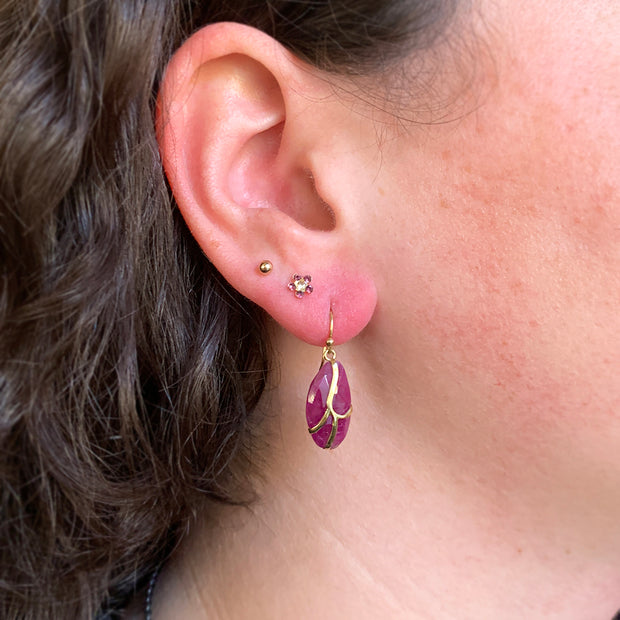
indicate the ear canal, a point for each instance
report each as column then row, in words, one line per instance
column 260, row 174
column 259, row 180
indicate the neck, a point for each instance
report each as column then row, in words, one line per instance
column 420, row 513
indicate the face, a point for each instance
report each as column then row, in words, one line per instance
column 496, row 245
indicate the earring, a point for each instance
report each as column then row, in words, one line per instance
column 328, row 406
column 265, row 267
column 300, row 285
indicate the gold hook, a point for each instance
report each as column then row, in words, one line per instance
column 330, row 340
column 329, row 355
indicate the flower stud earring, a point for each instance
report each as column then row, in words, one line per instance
column 300, row 285
column 328, row 406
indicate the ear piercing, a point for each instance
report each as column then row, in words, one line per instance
column 265, row 267
column 300, row 285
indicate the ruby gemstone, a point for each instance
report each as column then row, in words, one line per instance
column 316, row 404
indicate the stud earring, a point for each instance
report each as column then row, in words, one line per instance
column 328, row 406
column 300, row 285
column 265, row 267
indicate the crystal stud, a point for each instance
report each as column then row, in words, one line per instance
column 300, row 285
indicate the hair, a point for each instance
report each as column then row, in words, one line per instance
column 129, row 370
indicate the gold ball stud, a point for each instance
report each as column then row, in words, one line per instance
column 265, row 267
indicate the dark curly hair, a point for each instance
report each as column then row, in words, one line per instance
column 128, row 368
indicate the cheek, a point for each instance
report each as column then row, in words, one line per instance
column 486, row 309
column 516, row 270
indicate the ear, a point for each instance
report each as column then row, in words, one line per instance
column 244, row 130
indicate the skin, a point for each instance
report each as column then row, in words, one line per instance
column 480, row 476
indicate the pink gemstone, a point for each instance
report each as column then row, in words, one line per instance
column 309, row 289
column 316, row 405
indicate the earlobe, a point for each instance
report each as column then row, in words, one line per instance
column 235, row 139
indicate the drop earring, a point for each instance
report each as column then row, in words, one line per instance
column 328, row 406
